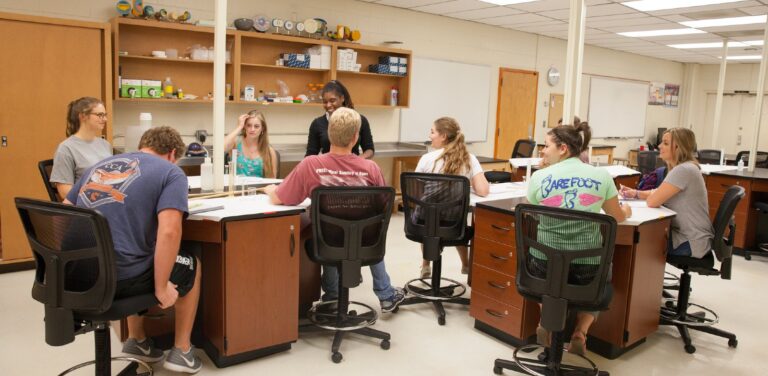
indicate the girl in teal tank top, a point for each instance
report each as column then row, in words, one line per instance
column 254, row 155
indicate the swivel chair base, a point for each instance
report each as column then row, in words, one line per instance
column 342, row 323
column 132, row 369
column 103, row 357
column 677, row 314
column 542, row 366
column 762, row 250
column 435, row 293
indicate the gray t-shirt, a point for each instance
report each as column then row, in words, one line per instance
column 130, row 190
column 692, row 222
column 74, row 155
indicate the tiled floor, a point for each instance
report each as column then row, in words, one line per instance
column 419, row 345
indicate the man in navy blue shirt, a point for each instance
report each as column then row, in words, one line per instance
column 143, row 196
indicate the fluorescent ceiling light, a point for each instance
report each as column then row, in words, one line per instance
column 507, row 2
column 707, row 45
column 651, row 5
column 656, row 33
column 726, row 21
column 753, row 43
column 743, row 57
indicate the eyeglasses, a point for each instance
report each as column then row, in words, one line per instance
column 101, row 115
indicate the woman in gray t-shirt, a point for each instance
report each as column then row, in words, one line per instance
column 683, row 190
column 86, row 119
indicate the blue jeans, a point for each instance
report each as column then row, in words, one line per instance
column 684, row 249
column 382, row 287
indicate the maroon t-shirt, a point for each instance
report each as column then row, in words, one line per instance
column 328, row 170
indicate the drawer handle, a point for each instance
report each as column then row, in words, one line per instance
column 494, row 313
column 500, row 258
column 507, row 229
column 496, row 285
column 292, row 246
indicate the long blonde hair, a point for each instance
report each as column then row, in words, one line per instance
column 685, row 140
column 455, row 155
column 263, row 143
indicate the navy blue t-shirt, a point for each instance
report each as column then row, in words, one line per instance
column 130, row 190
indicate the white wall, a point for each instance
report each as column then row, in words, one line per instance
column 738, row 77
column 426, row 35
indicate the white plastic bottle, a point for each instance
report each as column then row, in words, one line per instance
column 206, row 175
column 393, row 97
column 133, row 133
column 740, row 164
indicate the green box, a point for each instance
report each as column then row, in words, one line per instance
column 151, row 89
column 130, row 88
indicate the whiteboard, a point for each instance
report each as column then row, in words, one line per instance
column 445, row 88
column 617, row 107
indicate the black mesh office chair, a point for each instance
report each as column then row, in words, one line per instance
column 436, row 208
column 76, row 277
column 761, row 162
column 45, row 168
column 709, row 156
column 547, row 274
column 349, row 231
column 722, row 247
column 524, row 148
column 646, row 161
column 761, row 235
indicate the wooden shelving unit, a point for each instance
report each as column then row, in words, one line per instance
column 253, row 62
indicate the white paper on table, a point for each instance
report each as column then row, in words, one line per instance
column 641, row 213
column 619, row 170
column 523, row 162
column 707, row 169
column 501, row 191
column 194, row 181
column 242, row 205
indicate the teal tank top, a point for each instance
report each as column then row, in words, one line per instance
column 247, row 166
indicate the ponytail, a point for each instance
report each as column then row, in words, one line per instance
column 455, row 155
column 576, row 137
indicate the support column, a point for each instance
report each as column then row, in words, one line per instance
column 219, row 92
column 574, row 57
column 719, row 100
column 758, row 104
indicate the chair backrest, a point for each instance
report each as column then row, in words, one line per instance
column 523, row 148
column 722, row 245
column 349, row 227
column 45, row 168
column 563, row 254
column 709, row 156
column 761, row 162
column 435, row 206
column 646, row 161
column 276, row 162
column 75, row 266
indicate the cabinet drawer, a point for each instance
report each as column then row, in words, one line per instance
column 506, row 318
column 496, row 256
column 495, row 226
column 716, row 183
column 498, row 286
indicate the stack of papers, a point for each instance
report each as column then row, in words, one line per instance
column 194, row 181
column 523, row 162
column 619, row 170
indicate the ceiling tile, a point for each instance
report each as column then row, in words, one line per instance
column 513, row 19
column 608, row 10
column 453, row 6
column 484, row 13
column 409, row 3
column 706, row 8
column 541, row 5
column 755, row 11
column 560, row 14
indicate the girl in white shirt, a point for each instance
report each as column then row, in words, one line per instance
column 452, row 158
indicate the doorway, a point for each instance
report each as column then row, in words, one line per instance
column 515, row 110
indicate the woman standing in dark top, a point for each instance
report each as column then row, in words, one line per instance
column 335, row 95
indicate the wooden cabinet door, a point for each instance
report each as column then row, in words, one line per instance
column 261, row 283
column 43, row 67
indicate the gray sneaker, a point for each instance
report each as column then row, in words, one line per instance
column 389, row 305
column 144, row 350
column 178, row 361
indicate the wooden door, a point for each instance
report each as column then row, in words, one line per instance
column 555, row 109
column 515, row 110
column 261, row 283
column 44, row 65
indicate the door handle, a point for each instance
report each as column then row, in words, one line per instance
column 500, row 258
column 507, row 229
column 496, row 285
column 293, row 240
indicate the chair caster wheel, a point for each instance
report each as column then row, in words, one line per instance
column 352, row 313
column 336, row 357
column 733, row 342
column 542, row 357
column 497, row 370
column 441, row 320
column 385, row 344
column 396, row 309
column 690, row 349
column 747, row 257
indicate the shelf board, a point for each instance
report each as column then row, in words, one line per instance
column 164, row 100
column 279, row 104
column 139, row 57
column 281, row 67
column 369, row 74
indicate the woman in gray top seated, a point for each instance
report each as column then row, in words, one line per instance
column 86, row 119
column 683, row 190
